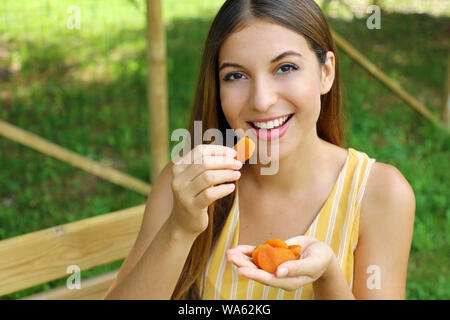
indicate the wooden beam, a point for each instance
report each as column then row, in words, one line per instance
column 384, row 79
column 51, row 149
column 157, row 89
column 93, row 288
column 43, row 256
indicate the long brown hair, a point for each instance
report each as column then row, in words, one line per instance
column 302, row 16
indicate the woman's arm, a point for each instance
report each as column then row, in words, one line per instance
column 154, row 264
column 385, row 235
column 332, row 285
column 156, row 273
column 176, row 213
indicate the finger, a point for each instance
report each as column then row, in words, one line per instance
column 301, row 267
column 257, row 274
column 213, row 150
column 240, row 260
column 245, row 249
column 205, row 161
column 269, row 279
column 195, row 155
column 303, row 241
column 212, row 163
column 198, row 177
column 211, row 194
column 211, row 178
column 176, row 159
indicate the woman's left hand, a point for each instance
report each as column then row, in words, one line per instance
column 316, row 258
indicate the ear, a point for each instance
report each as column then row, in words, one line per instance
column 327, row 73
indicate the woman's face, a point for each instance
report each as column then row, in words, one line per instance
column 256, row 86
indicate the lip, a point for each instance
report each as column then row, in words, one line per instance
column 270, row 118
column 270, row 134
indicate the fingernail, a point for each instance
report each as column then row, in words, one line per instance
column 237, row 164
column 282, row 272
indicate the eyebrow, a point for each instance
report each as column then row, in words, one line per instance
column 279, row 57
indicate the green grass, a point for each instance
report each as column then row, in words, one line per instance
column 85, row 89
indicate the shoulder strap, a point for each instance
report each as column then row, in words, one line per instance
column 366, row 167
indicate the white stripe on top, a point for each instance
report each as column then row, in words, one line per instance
column 335, row 206
column 350, row 201
column 218, row 286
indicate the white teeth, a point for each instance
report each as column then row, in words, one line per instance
column 261, row 125
column 271, row 124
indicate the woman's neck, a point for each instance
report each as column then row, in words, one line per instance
column 294, row 171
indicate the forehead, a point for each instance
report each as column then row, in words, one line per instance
column 262, row 40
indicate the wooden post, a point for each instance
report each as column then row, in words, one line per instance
column 157, row 89
column 446, row 98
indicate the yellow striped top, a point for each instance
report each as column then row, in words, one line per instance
column 336, row 224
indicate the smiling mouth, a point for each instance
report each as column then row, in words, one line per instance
column 273, row 124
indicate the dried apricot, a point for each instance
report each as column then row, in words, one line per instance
column 244, row 148
column 274, row 252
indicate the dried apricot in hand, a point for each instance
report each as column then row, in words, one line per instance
column 266, row 258
column 255, row 252
column 273, row 253
column 244, row 148
column 296, row 249
column 277, row 243
column 283, row 255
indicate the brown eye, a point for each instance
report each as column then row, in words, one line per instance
column 288, row 67
column 228, row 76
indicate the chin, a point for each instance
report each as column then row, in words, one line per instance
column 270, row 154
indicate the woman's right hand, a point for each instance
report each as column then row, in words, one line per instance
column 199, row 179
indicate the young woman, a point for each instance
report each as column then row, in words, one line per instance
column 266, row 60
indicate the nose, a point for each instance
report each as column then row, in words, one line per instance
column 263, row 95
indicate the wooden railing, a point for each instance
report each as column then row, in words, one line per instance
column 45, row 255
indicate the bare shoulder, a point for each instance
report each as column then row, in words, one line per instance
column 388, row 198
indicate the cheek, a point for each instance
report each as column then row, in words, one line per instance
column 305, row 95
column 233, row 101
